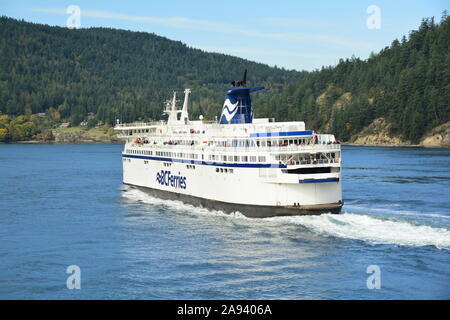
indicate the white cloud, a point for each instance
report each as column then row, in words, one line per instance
column 293, row 22
column 264, row 52
column 212, row 26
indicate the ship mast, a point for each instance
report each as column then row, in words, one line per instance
column 172, row 112
column 184, row 112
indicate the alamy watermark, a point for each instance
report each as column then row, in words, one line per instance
column 74, row 280
column 374, row 19
column 74, row 20
column 374, row 280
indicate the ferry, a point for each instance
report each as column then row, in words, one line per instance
column 238, row 163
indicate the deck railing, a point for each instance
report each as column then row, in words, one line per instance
column 273, row 149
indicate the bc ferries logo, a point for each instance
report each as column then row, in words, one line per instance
column 229, row 109
column 165, row 178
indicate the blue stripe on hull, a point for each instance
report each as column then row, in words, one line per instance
column 319, row 180
column 207, row 163
column 281, row 134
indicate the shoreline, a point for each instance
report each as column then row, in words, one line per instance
column 35, row 142
column 31, row 142
column 434, row 146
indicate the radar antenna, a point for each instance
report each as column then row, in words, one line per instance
column 241, row 83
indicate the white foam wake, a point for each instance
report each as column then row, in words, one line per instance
column 395, row 211
column 347, row 225
column 372, row 229
column 135, row 195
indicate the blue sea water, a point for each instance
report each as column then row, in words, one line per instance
column 64, row 205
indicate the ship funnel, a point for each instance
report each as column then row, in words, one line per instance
column 237, row 107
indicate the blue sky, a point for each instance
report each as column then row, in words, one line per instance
column 294, row 34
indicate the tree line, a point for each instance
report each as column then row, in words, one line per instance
column 407, row 83
column 114, row 74
column 118, row 74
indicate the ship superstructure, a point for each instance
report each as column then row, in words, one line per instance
column 258, row 167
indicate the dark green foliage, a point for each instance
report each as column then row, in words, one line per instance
column 407, row 83
column 117, row 74
column 25, row 127
column 113, row 73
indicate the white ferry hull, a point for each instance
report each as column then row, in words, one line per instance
column 253, row 191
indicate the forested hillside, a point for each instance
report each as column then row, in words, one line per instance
column 113, row 73
column 106, row 74
column 405, row 88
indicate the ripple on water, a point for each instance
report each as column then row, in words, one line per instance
column 363, row 227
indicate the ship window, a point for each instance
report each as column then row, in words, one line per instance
column 308, row 170
column 231, row 170
column 262, row 159
column 236, row 158
column 217, row 169
column 252, row 158
column 226, row 170
column 221, row 169
column 244, row 159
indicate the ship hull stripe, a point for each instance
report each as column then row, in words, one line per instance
column 281, row 134
column 207, row 163
column 319, row 180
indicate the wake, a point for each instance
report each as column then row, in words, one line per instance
column 372, row 229
column 363, row 227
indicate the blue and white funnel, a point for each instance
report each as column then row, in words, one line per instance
column 238, row 105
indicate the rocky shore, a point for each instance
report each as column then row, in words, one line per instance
column 77, row 135
column 377, row 134
column 80, row 135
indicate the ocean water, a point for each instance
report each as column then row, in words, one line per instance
column 63, row 205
